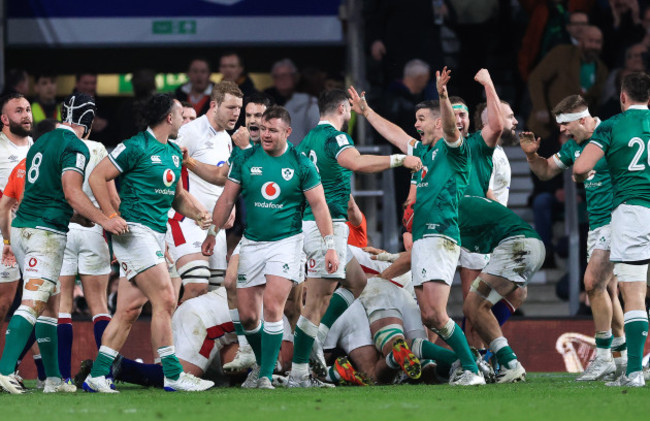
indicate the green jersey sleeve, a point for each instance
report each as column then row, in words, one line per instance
column 75, row 156
column 602, row 136
column 337, row 144
column 566, row 156
column 125, row 156
column 459, row 155
column 309, row 177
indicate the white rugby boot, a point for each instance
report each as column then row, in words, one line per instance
column 597, row 369
column 244, row 359
column 187, row 382
column 511, row 375
column 251, row 380
column 98, row 385
column 55, row 385
column 635, row 379
column 468, row 378
column 264, row 383
column 11, row 385
column 307, row 382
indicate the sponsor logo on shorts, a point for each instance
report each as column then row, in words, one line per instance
column 287, row 173
column 124, row 266
column 168, row 177
column 424, row 272
column 312, row 263
column 4, row 274
column 256, row 170
column 32, row 262
column 197, row 244
column 155, row 159
column 241, row 278
column 270, row 190
column 176, row 160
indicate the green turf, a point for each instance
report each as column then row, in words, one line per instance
column 544, row 397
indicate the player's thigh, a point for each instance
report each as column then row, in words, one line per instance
column 599, row 270
column 156, row 285
column 67, row 291
column 434, row 259
column 95, row 290
column 516, row 259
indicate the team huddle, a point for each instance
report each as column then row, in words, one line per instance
column 301, row 301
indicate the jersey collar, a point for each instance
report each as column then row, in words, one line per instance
column 63, row 126
column 637, row 107
column 325, row 122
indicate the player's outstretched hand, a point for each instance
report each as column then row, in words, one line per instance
column 373, row 250
column 528, row 143
column 413, row 163
column 483, row 77
column 331, row 261
column 207, row 248
column 116, row 225
column 358, row 102
column 442, row 78
column 8, row 258
column 241, row 137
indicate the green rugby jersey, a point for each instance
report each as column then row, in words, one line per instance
column 273, row 191
column 625, row 139
column 149, row 172
column 484, row 223
column 44, row 205
column 322, row 146
column 598, row 187
column 443, row 180
column 479, row 176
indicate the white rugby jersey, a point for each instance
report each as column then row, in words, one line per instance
column 10, row 156
column 208, row 146
column 501, row 176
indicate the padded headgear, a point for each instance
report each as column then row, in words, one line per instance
column 79, row 109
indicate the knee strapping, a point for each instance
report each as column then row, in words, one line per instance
column 387, row 334
column 36, row 289
column 485, row 291
column 216, row 279
column 27, row 313
column 626, row 272
column 384, row 314
column 195, row 272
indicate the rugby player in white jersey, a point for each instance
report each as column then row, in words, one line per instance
column 15, row 140
column 208, row 143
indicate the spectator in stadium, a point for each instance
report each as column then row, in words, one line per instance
column 635, row 56
column 189, row 113
column 16, row 82
column 232, row 69
column 302, row 107
column 103, row 128
column 140, row 250
column 577, row 22
column 45, row 104
column 199, row 88
column 16, row 119
column 130, row 113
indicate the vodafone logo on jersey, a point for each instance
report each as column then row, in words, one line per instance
column 169, row 177
column 270, row 190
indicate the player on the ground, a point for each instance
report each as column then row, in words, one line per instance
column 622, row 140
column 55, row 172
column 209, row 144
column 435, row 233
column 149, row 169
column 517, row 253
column 276, row 182
column 333, row 153
column 15, row 140
column 572, row 114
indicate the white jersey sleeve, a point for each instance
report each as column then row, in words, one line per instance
column 97, row 153
column 501, row 176
column 10, row 156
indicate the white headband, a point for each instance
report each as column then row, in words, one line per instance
column 569, row 117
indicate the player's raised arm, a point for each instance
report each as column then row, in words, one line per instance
column 393, row 133
column 491, row 132
column 351, row 159
column 316, row 199
column 586, row 162
column 451, row 135
column 543, row 168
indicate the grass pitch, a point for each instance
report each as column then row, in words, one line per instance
column 545, row 396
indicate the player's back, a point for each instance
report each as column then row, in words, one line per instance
column 479, row 176
column 44, row 204
column 323, row 145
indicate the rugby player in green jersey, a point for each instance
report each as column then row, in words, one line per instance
column 332, row 151
column 53, row 188
column 572, row 114
column 623, row 141
column 276, row 182
column 517, row 253
column 436, row 237
column 148, row 168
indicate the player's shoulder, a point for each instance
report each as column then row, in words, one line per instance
column 196, row 127
column 174, row 147
column 243, row 155
column 94, row 146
